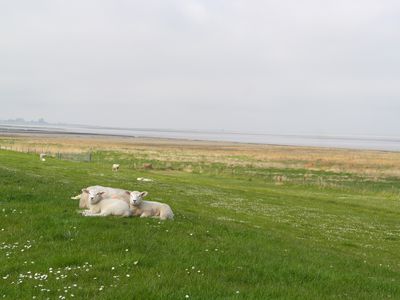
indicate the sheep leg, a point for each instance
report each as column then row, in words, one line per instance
column 135, row 212
column 86, row 212
column 126, row 214
column 89, row 213
column 145, row 215
column 96, row 215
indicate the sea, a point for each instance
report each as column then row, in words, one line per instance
column 384, row 143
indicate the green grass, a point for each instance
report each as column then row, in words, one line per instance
column 236, row 235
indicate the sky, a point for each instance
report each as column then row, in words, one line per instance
column 271, row 66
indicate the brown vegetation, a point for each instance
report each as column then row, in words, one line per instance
column 365, row 162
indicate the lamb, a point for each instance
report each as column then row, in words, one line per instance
column 99, row 206
column 112, row 193
column 115, row 167
column 142, row 208
column 280, row 178
column 144, row 179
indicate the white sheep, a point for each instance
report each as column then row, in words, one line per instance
column 102, row 207
column 115, row 167
column 142, row 208
column 112, row 193
column 42, row 156
column 144, row 179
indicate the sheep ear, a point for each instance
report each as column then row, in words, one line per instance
column 144, row 194
column 85, row 191
column 128, row 192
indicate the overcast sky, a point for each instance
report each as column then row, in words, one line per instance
column 282, row 66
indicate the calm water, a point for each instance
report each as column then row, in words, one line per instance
column 352, row 142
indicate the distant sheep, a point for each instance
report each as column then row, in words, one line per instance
column 101, row 206
column 115, row 167
column 142, row 208
column 280, row 178
column 43, row 156
column 144, row 179
column 109, row 193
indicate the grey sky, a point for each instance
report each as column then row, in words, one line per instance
column 312, row 66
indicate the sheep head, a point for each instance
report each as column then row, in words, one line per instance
column 94, row 197
column 136, row 197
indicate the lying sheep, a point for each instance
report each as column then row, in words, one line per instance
column 115, row 167
column 144, row 179
column 109, row 193
column 83, row 196
column 142, row 208
column 100, row 206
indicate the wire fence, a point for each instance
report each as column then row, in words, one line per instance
column 62, row 155
column 86, row 156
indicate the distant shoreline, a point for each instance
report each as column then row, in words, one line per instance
column 355, row 143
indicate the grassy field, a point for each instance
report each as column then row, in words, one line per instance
column 239, row 232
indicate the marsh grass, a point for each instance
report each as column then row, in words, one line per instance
column 237, row 233
column 374, row 164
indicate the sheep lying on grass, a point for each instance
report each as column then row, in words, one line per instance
column 109, row 192
column 115, row 167
column 100, row 206
column 144, row 179
column 142, row 208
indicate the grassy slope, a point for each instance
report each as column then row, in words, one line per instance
column 235, row 236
